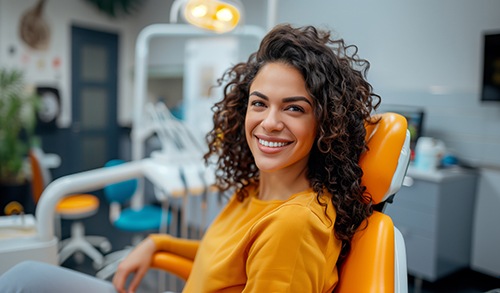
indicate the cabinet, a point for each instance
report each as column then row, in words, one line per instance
column 435, row 216
column 486, row 230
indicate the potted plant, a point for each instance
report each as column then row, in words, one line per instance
column 18, row 106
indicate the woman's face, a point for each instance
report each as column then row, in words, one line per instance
column 280, row 124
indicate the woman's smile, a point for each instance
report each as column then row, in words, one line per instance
column 272, row 144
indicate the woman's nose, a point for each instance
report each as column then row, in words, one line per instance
column 272, row 121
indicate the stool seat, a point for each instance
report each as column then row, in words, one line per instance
column 147, row 218
column 77, row 206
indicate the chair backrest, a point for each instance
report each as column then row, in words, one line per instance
column 40, row 175
column 371, row 265
column 41, row 163
column 120, row 192
column 386, row 161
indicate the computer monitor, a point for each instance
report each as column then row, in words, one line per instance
column 491, row 67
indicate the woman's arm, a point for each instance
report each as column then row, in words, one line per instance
column 138, row 261
column 186, row 248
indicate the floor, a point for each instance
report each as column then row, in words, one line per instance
column 464, row 281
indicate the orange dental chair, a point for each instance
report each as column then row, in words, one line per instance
column 377, row 261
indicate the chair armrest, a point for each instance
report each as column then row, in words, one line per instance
column 172, row 263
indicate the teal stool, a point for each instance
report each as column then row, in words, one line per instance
column 147, row 219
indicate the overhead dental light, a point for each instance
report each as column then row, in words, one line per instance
column 216, row 15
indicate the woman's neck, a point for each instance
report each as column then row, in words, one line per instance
column 281, row 185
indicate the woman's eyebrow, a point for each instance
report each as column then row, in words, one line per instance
column 286, row 100
column 260, row 95
column 296, row 99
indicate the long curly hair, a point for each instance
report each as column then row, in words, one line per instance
column 335, row 78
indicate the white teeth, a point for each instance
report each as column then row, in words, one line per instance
column 272, row 144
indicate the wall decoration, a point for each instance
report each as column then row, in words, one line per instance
column 25, row 59
column 33, row 29
column 49, row 109
column 40, row 64
column 56, row 63
column 12, row 50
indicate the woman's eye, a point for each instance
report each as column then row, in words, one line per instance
column 257, row 104
column 295, row 108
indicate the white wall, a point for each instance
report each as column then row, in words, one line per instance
column 423, row 53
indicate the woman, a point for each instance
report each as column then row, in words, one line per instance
column 287, row 138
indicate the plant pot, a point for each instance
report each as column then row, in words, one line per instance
column 15, row 198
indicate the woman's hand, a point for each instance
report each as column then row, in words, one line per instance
column 138, row 263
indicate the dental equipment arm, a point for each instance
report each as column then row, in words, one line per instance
column 85, row 181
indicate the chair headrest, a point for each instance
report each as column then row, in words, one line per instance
column 385, row 162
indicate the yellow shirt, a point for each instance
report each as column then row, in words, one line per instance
column 264, row 246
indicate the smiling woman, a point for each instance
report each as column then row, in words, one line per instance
column 287, row 139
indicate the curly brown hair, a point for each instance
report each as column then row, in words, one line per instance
column 335, row 78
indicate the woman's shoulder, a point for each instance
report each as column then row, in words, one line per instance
column 309, row 198
column 307, row 204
